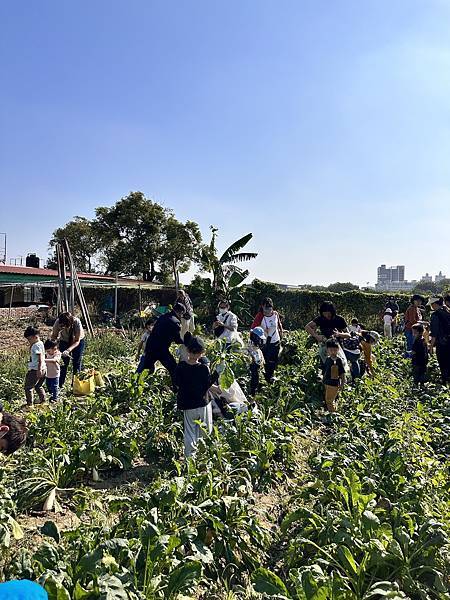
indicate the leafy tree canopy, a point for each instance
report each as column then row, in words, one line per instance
column 135, row 236
column 83, row 242
column 342, row 287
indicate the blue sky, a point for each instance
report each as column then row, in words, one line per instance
column 323, row 127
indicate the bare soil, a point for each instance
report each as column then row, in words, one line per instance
column 12, row 326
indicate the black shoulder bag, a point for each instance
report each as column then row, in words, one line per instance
column 220, row 328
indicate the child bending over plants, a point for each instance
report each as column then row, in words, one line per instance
column 334, row 374
column 254, row 350
column 13, row 432
column 368, row 340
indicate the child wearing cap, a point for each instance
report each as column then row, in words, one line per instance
column 193, row 380
column 257, row 341
column 387, row 320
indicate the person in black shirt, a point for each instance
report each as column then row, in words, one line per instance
column 440, row 335
column 419, row 355
column 447, row 301
column 167, row 330
column 193, row 380
column 330, row 325
column 334, row 375
column 393, row 305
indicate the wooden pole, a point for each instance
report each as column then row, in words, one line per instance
column 77, row 288
column 10, row 302
column 72, row 279
column 62, row 278
column 115, row 298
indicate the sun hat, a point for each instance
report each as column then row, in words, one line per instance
column 433, row 300
column 388, row 310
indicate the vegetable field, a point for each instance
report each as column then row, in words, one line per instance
column 290, row 503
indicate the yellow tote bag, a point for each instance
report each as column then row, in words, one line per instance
column 83, row 387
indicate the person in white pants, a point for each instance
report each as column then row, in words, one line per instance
column 193, row 380
column 387, row 319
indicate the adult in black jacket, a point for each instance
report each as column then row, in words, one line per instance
column 167, row 330
column 440, row 335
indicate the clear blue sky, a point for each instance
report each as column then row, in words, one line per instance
column 321, row 126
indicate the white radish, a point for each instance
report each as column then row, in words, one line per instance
column 50, row 501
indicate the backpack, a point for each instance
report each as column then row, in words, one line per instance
column 351, row 343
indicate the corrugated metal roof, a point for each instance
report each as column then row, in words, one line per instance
column 51, row 273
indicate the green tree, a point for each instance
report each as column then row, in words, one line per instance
column 181, row 245
column 443, row 286
column 342, row 287
column 83, row 243
column 426, row 287
column 131, row 234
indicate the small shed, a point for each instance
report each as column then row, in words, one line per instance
column 23, row 286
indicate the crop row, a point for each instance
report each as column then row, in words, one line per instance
column 368, row 517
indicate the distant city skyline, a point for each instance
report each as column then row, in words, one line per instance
column 393, row 278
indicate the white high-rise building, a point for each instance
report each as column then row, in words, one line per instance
column 392, row 278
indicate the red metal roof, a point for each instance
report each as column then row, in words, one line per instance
column 52, row 273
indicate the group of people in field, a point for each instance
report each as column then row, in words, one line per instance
column 345, row 353
column 197, row 388
column 422, row 336
column 47, row 368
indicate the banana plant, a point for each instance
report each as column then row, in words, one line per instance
column 226, row 273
